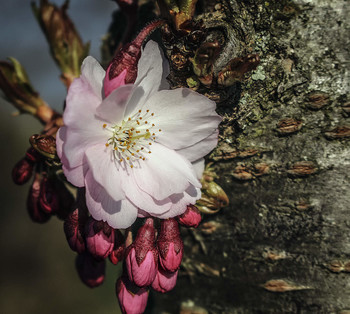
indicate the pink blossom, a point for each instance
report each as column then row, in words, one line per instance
column 99, row 238
column 132, row 299
column 170, row 245
column 164, row 281
column 133, row 150
column 91, row 271
column 191, row 217
column 142, row 256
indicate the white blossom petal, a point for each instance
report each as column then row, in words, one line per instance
column 112, row 107
column 200, row 148
column 184, row 116
column 164, row 172
column 105, row 170
column 118, row 214
column 150, row 76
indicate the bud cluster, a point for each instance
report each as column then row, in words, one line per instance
column 153, row 260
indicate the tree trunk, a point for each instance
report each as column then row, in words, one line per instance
column 283, row 243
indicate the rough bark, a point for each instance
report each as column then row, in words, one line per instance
column 283, row 244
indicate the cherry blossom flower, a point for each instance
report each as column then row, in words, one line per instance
column 138, row 151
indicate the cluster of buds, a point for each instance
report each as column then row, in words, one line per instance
column 153, row 260
column 94, row 241
column 47, row 195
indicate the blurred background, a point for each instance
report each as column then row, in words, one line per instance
column 37, row 265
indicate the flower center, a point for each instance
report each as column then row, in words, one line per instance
column 131, row 140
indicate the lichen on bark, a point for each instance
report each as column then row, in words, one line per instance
column 283, row 244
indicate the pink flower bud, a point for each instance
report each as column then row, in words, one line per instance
column 170, row 245
column 22, row 171
column 34, row 210
column 132, row 299
column 142, row 256
column 191, row 217
column 91, row 272
column 74, row 229
column 99, row 238
column 119, row 248
column 123, row 68
column 48, row 199
column 164, row 281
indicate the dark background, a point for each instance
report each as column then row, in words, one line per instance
column 37, row 266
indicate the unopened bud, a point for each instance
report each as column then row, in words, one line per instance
column 164, row 281
column 170, row 245
column 132, row 299
column 22, row 171
column 48, row 199
column 99, row 238
column 74, row 230
column 18, row 90
column 117, row 254
column 66, row 46
column 91, row 272
column 142, row 256
column 45, row 145
column 33, row 207
column 191, row 217
column 123, row 68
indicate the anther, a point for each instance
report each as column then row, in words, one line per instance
column 104, row 125
column 107, row 144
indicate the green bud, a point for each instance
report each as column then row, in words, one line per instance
column 18, row 90
column 213, row 197
column 65, row 43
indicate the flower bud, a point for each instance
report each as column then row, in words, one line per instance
column 164, row 281
column 33, row 207
column 99, row 238
column 191, row 217
column 74, row 230
column 132, row 299
column 119, row 248
column 18, row 90
column 170, row 245
column 123, row 68
column 142, row 256
column 22, row 171
column 66, row 46
column 91, row 272
column 48, row 199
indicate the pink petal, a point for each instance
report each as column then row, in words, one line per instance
column 83, row 128
column 201, row 148
column 198, row 167
column 184, row 116
column 150, row 76
column 140, row 198
column 74, row 175
column 105, row 169
column 118, row 214
column 93, row 73
column 164, row 172
column 111, row 85
column 112, row 108
column 180, row 202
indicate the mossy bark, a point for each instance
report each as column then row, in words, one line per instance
column 283, row 243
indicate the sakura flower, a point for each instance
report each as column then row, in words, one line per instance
column 133, row 150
